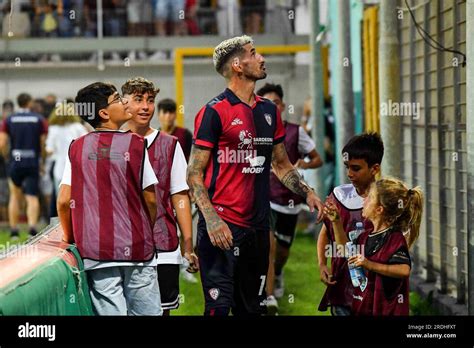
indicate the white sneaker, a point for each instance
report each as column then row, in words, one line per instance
column 55, row 58
column 158, row 55
column 132, row 55
column 188, row 277
column 279, row 286
column 142, row 55
column 272, row 305
column 116, row 57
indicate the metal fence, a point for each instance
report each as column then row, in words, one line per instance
column 434, row 146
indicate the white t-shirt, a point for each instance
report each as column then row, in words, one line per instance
column 305, row 146
column 149, row 178
column 177, row 184
column 58, row 140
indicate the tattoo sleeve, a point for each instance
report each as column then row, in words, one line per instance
column 195, row 178
column 293, row 180
column 287, row 174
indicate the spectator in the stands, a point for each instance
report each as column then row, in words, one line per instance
column 172, row 12
column 223, row 8
column 253, row 14
column 191, row 17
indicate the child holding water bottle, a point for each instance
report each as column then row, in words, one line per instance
column 395, row 212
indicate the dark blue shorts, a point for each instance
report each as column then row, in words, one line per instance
column 234, row 279
column 25, row 178
column 283, row 227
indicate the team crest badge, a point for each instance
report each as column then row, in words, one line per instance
column 268, row 118
column 214, row 293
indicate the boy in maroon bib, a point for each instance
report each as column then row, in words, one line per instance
column 362, row 157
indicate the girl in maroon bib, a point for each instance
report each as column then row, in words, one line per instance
column 393, row 209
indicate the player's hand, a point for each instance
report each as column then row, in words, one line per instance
column 219, row 233
column 326, row 276
column 359, row 261
column 301, row 164
column 331, row 212
column 193, row 261
column 314, row 202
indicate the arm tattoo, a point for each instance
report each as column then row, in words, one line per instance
column 195, row 177
column 288, row 177
column 293, row 180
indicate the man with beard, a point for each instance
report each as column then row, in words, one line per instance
column 237, row 136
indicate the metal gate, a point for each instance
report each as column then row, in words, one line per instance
column 434, row 145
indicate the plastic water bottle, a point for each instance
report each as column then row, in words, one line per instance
column 357, row 274
column 350, row 251
column 354, row 234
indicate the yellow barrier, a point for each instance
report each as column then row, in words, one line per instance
column 182, row 52
column 371, row 77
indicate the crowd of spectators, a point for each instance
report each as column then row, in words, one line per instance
column 78, row 18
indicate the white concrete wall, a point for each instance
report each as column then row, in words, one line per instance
column 201, row 82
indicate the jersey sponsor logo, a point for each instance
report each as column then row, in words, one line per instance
column 105, row 154
column 268, row 118
column 214, row 293
column 24, row 119
column 256, row 165
column 236, row 121
column 357, row 297
column 245, row 140
column 263, row 141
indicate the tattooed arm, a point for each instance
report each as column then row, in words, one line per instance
column 290, row 177
column 219, row 232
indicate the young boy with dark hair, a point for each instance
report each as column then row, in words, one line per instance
column 362, row 157
column 167, row 118
column 107, row 206
column 169, row 164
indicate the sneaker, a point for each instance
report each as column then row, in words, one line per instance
column 115, row 57
column 55, row 58
column 188, row 277
column 158, row 56
column 142, row 55
column 132, row 55
column 33, row 232
column 272, row 305
column 14, row 235
column 279, row 286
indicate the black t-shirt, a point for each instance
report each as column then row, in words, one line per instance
column 375, row 242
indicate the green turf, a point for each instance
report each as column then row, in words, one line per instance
column 5, row 237
column 303, row 289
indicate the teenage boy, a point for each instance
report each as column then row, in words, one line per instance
column 169, row 164
column 167, row 118
column 285, row 205
column 107, row 205
column 362, row 157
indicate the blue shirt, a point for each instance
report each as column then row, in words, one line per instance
column 24, row 130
